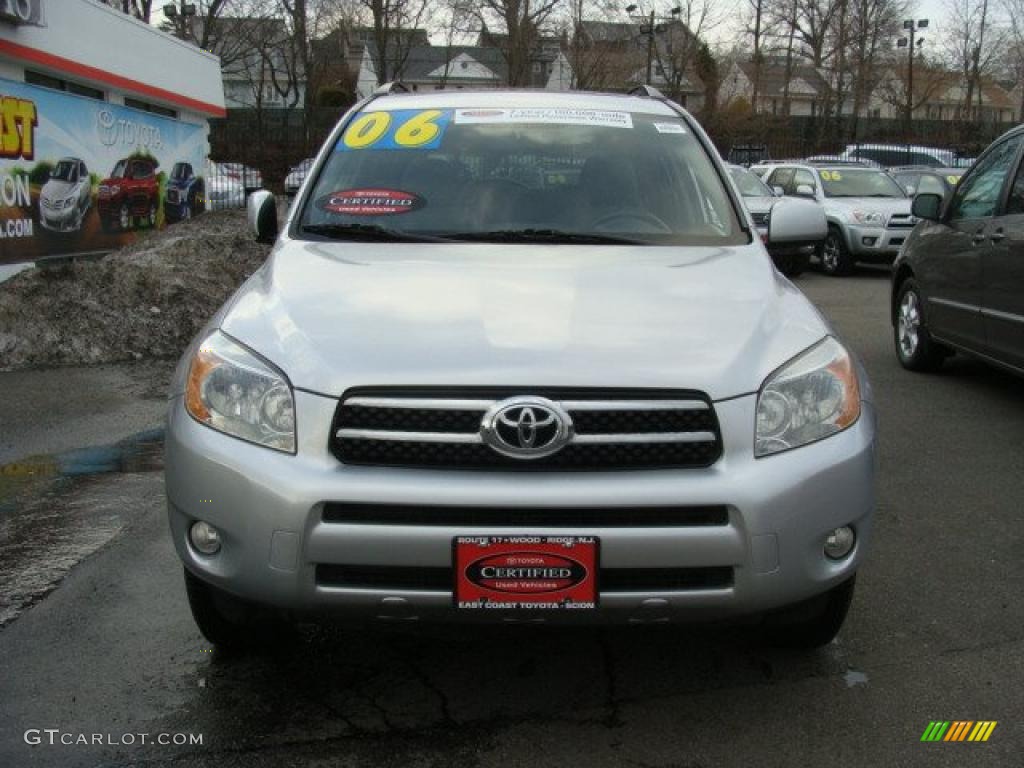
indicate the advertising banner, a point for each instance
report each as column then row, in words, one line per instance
column 80, row 176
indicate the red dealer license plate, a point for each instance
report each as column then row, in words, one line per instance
column 538, row 573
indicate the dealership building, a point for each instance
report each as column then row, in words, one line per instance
column 100, row 112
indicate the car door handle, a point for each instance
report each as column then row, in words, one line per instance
column 979, row 237
column 998, row 236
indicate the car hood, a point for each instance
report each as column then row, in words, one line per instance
column 339, row 315
column 57, row 189
column 886, row 205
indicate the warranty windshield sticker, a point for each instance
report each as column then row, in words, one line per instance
column 370, row 202
column 544, row 116
column 669, row 128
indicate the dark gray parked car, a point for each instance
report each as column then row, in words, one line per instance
column 958, row 284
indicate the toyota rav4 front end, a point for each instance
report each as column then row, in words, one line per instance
column 520, row 356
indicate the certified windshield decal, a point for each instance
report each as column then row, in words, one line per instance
column 370, row 202
column 669, row 128
column 544, row 116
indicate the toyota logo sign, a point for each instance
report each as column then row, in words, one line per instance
column 526, row 427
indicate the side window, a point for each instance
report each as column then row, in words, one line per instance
column 978, row 194
column 803, row 177
column 783, row 177
column 1015, row 200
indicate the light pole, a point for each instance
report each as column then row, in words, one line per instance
column 910, row 42
column 182, row 19
column 650, row 29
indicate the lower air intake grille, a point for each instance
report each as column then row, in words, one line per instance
column 440, row 579
column 482, row 517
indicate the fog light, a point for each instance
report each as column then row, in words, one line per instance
column 869, row 240
column 205, row 538
column 840, row 542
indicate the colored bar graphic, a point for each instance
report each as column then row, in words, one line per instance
column 935, row 730
column 959, row 730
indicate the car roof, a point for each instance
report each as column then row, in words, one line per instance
column 523, row 99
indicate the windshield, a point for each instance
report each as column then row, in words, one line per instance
column 180, row 171
column 65, row 170
column 748, row 184
column 848, row 182
column 504, row 174
column 119, row 169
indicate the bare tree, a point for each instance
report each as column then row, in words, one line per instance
column 1014, row 10
column 677, row 47
column 872, row 24
column 974, row 43
column 393, row 22
column 520, row 22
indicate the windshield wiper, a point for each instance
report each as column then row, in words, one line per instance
column 368, row 232
column 544, row 236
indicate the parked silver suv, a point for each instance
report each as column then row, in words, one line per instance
column 520, row 356
column 868, row 212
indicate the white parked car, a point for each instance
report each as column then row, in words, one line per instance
column 297, row 175
column 66, row 196
column 223, row 190
column 250, row 178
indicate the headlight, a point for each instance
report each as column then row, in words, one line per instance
column 114, row 190
column 235, row 392
column 810, row 398
column 867, row 217
column 69, row 202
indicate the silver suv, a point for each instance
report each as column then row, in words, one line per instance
column 520, row 356
column 868, row 212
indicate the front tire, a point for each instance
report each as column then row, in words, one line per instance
column 811, row 623
column 915, row 348
column 227, row 621
column 835, row 256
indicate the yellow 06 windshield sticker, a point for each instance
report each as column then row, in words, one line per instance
column 831, row 176
column 401, row 129
column 952, row 180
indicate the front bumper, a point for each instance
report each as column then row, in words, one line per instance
column 877, row 244
column 64, row 220
column 268, row 508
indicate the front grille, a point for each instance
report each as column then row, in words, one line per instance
column 440, row 429
column 901, row 221
column 760, row 219
column 172, row 196
column 441, row 579
column 530, row 517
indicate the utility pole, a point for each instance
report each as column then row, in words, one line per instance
column 181, row 18
column 910, row 42
column 650, row 29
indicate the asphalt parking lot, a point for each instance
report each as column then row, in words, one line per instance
column 936, row 632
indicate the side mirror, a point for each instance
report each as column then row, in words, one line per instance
column 796, row 222
column 804, row 190
column 927, row 206
column 779, row 191
column 262, row 215
column 911, row 189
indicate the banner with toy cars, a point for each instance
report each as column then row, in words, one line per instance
column 79, row 175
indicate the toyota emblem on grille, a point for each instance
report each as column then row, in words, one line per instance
column 526, row 427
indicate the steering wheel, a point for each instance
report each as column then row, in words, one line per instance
column 653, row 222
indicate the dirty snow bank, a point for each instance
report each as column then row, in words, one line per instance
column 146, row 300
